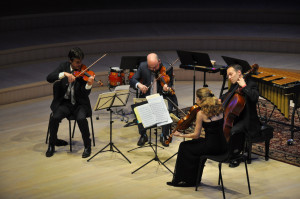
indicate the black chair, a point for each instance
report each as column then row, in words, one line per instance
column 71, row 132
column 236, row 147
column 265, row 135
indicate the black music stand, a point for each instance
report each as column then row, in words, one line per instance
column 244, row 64
column 149, row 144
column 108, row 100
column 131, row 63
column 195, row 59
column 156, row 158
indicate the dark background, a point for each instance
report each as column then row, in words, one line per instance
column 25, row 7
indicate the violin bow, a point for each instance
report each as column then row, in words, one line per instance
column 82, row 72
column 176, row 106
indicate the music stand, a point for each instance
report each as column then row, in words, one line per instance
column 156, row 158
column 131, row 62
column 138, row 102
column 244, row 64
column 107, row 101
column 195, row 59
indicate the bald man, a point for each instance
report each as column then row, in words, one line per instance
column 145, row 76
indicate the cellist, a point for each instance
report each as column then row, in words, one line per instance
column 247, row 122
column 210, row 117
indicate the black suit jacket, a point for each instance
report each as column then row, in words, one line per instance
column 248, row 118
column 144, row 75
column 60, row 87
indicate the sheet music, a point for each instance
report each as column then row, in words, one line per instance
column 118, row 97
column 145, row 113
column 159, row 108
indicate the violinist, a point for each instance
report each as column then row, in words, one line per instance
column 71, row 97
column 149, row 79
column 248, row 121
column 210, row 118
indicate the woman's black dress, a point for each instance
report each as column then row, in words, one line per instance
column 187, row 163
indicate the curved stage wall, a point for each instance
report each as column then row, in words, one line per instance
column 44, row 36
column 36, row 37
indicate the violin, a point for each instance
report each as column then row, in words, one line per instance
column 185, row 122
column 85, row 74
column 234, row 104
column 165, row 79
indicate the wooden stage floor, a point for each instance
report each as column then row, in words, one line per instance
column 26, row 172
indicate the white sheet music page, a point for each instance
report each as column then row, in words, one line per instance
column 146, row 114
column 158, row 107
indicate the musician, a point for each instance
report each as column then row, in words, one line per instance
column 71, row 97
column 248, row 121
column 145, row 76
column 209, row 117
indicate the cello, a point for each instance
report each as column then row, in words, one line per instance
column 234, row 104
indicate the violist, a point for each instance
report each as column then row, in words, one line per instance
column 210, row 117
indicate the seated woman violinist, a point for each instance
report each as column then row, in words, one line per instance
column 210, row 117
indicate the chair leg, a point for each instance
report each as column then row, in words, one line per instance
column 92, row 130
column 249, row 151
column 249, row 188
column 267, row 145
column 221, row 179
column 219, row 176
column 48, row 131
column 70, row 135
column 74, row 129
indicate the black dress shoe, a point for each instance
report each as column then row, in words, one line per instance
column 163, row 140
column 143, row 139
column 234, row 163
column 180, row 184
column 50, row 151
column 60, row 142
column 87, row 152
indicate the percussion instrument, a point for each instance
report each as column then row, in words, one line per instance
column 131, row 73
column 116, row 77
column 280, row 87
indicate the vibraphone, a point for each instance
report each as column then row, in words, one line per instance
column 280, row 87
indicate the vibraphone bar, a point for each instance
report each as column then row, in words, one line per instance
column 280, row 87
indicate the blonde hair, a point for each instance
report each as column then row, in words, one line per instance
column 210, row 105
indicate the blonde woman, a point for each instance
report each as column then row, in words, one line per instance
column 210, row 117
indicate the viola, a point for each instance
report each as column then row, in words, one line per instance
column 234, row 104
column 165, row 79
column 85, row 74
column 185, row 122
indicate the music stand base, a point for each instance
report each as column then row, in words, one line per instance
column 170, row 157
column 111, row 146
column 155, row 157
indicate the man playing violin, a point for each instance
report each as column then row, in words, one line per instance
column 248, row 121
column 70, row 97
column 147, row 80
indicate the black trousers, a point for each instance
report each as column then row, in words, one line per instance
column 66, row 109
